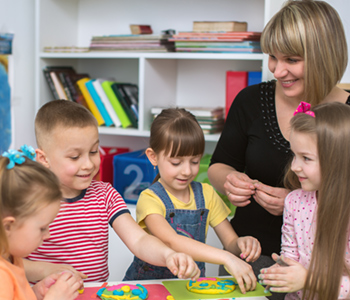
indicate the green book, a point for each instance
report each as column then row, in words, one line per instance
column 118, row 108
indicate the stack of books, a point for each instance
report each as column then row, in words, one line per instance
column 217, row 42
column 132, row 42
column 210, row 119
column 112, row 103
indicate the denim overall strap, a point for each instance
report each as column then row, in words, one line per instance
column 189, row 223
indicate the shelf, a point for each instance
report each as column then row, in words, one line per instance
column 168, row 79
column 142, row 133
column 166, row 55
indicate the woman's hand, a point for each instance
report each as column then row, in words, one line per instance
column 239, row 188
column 270, row 198
column 284, row 279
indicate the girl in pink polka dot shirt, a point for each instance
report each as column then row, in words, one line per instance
column 315, row 256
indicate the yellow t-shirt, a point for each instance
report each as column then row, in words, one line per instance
column 149, row 203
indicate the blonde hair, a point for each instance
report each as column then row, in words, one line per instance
column 60, row 113
column 312, row 30
column 331, row 128
column 24, row 189
column 176, row 132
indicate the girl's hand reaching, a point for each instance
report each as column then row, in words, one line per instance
column 284, row 279
column 65, row 288
column 183, row 266
column 242, row 272
column 42, row 287
column 250, row 248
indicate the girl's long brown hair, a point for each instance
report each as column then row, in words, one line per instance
column 332, row 129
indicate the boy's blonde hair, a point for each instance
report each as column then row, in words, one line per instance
column 312, row 30
column 331, row 126
column 25, row 189
column 60, row 113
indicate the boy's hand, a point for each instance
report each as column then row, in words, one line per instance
column 243, row 273
column 182, row 266
column 250, row 248
column 65, row 288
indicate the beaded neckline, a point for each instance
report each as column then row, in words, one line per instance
column 267, row 103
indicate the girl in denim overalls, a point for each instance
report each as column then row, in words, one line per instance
column 178, row 210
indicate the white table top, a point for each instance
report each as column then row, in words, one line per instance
column 98, row 284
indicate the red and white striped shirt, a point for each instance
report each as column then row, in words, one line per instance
column 79, row 233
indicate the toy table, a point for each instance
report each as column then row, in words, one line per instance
column 159, row 291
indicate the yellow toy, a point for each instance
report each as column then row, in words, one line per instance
column 212, row 286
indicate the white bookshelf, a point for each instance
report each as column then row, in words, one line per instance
column 166, row 79
column 163, row 78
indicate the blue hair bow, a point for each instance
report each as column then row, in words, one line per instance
column 17, row 157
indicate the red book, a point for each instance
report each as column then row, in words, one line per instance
column 235, row 82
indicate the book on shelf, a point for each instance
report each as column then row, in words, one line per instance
column 130, row 99
column 133, row 42
column 71, row 80
column 100, row 106
column 254, row 77
column 203, row 26
column 118, row 108
column 237, row 81
column 141, row 29
column 53, row 78
column 125, row 103
column 90, row 102
column 58, row 86
column 132, row 93
column 98, row 87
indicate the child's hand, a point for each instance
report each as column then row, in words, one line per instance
column 243, row 273
column 41, row 288
column 65, row 288
column 250, row 248
column 286, row 279
column 183, row 266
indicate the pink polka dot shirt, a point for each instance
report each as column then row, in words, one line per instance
column 298, row 234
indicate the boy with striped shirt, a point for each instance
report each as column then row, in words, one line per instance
column 68, row 144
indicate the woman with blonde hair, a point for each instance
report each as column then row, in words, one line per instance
column 307, row 51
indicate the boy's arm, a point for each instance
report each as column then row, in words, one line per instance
column 38, row 270
column 243, row 272
column 152, row 250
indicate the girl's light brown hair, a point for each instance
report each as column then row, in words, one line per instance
column 24, row 190
column 312, row 30
column 331, row 126
column 176, row 132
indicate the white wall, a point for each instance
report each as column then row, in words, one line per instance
column 17, row 16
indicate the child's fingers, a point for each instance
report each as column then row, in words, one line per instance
column 241, row 284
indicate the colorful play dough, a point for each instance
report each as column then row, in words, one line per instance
column 211, row 286
column 123, row 292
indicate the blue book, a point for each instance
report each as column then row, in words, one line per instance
column 101, row 107
column 254, row 77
